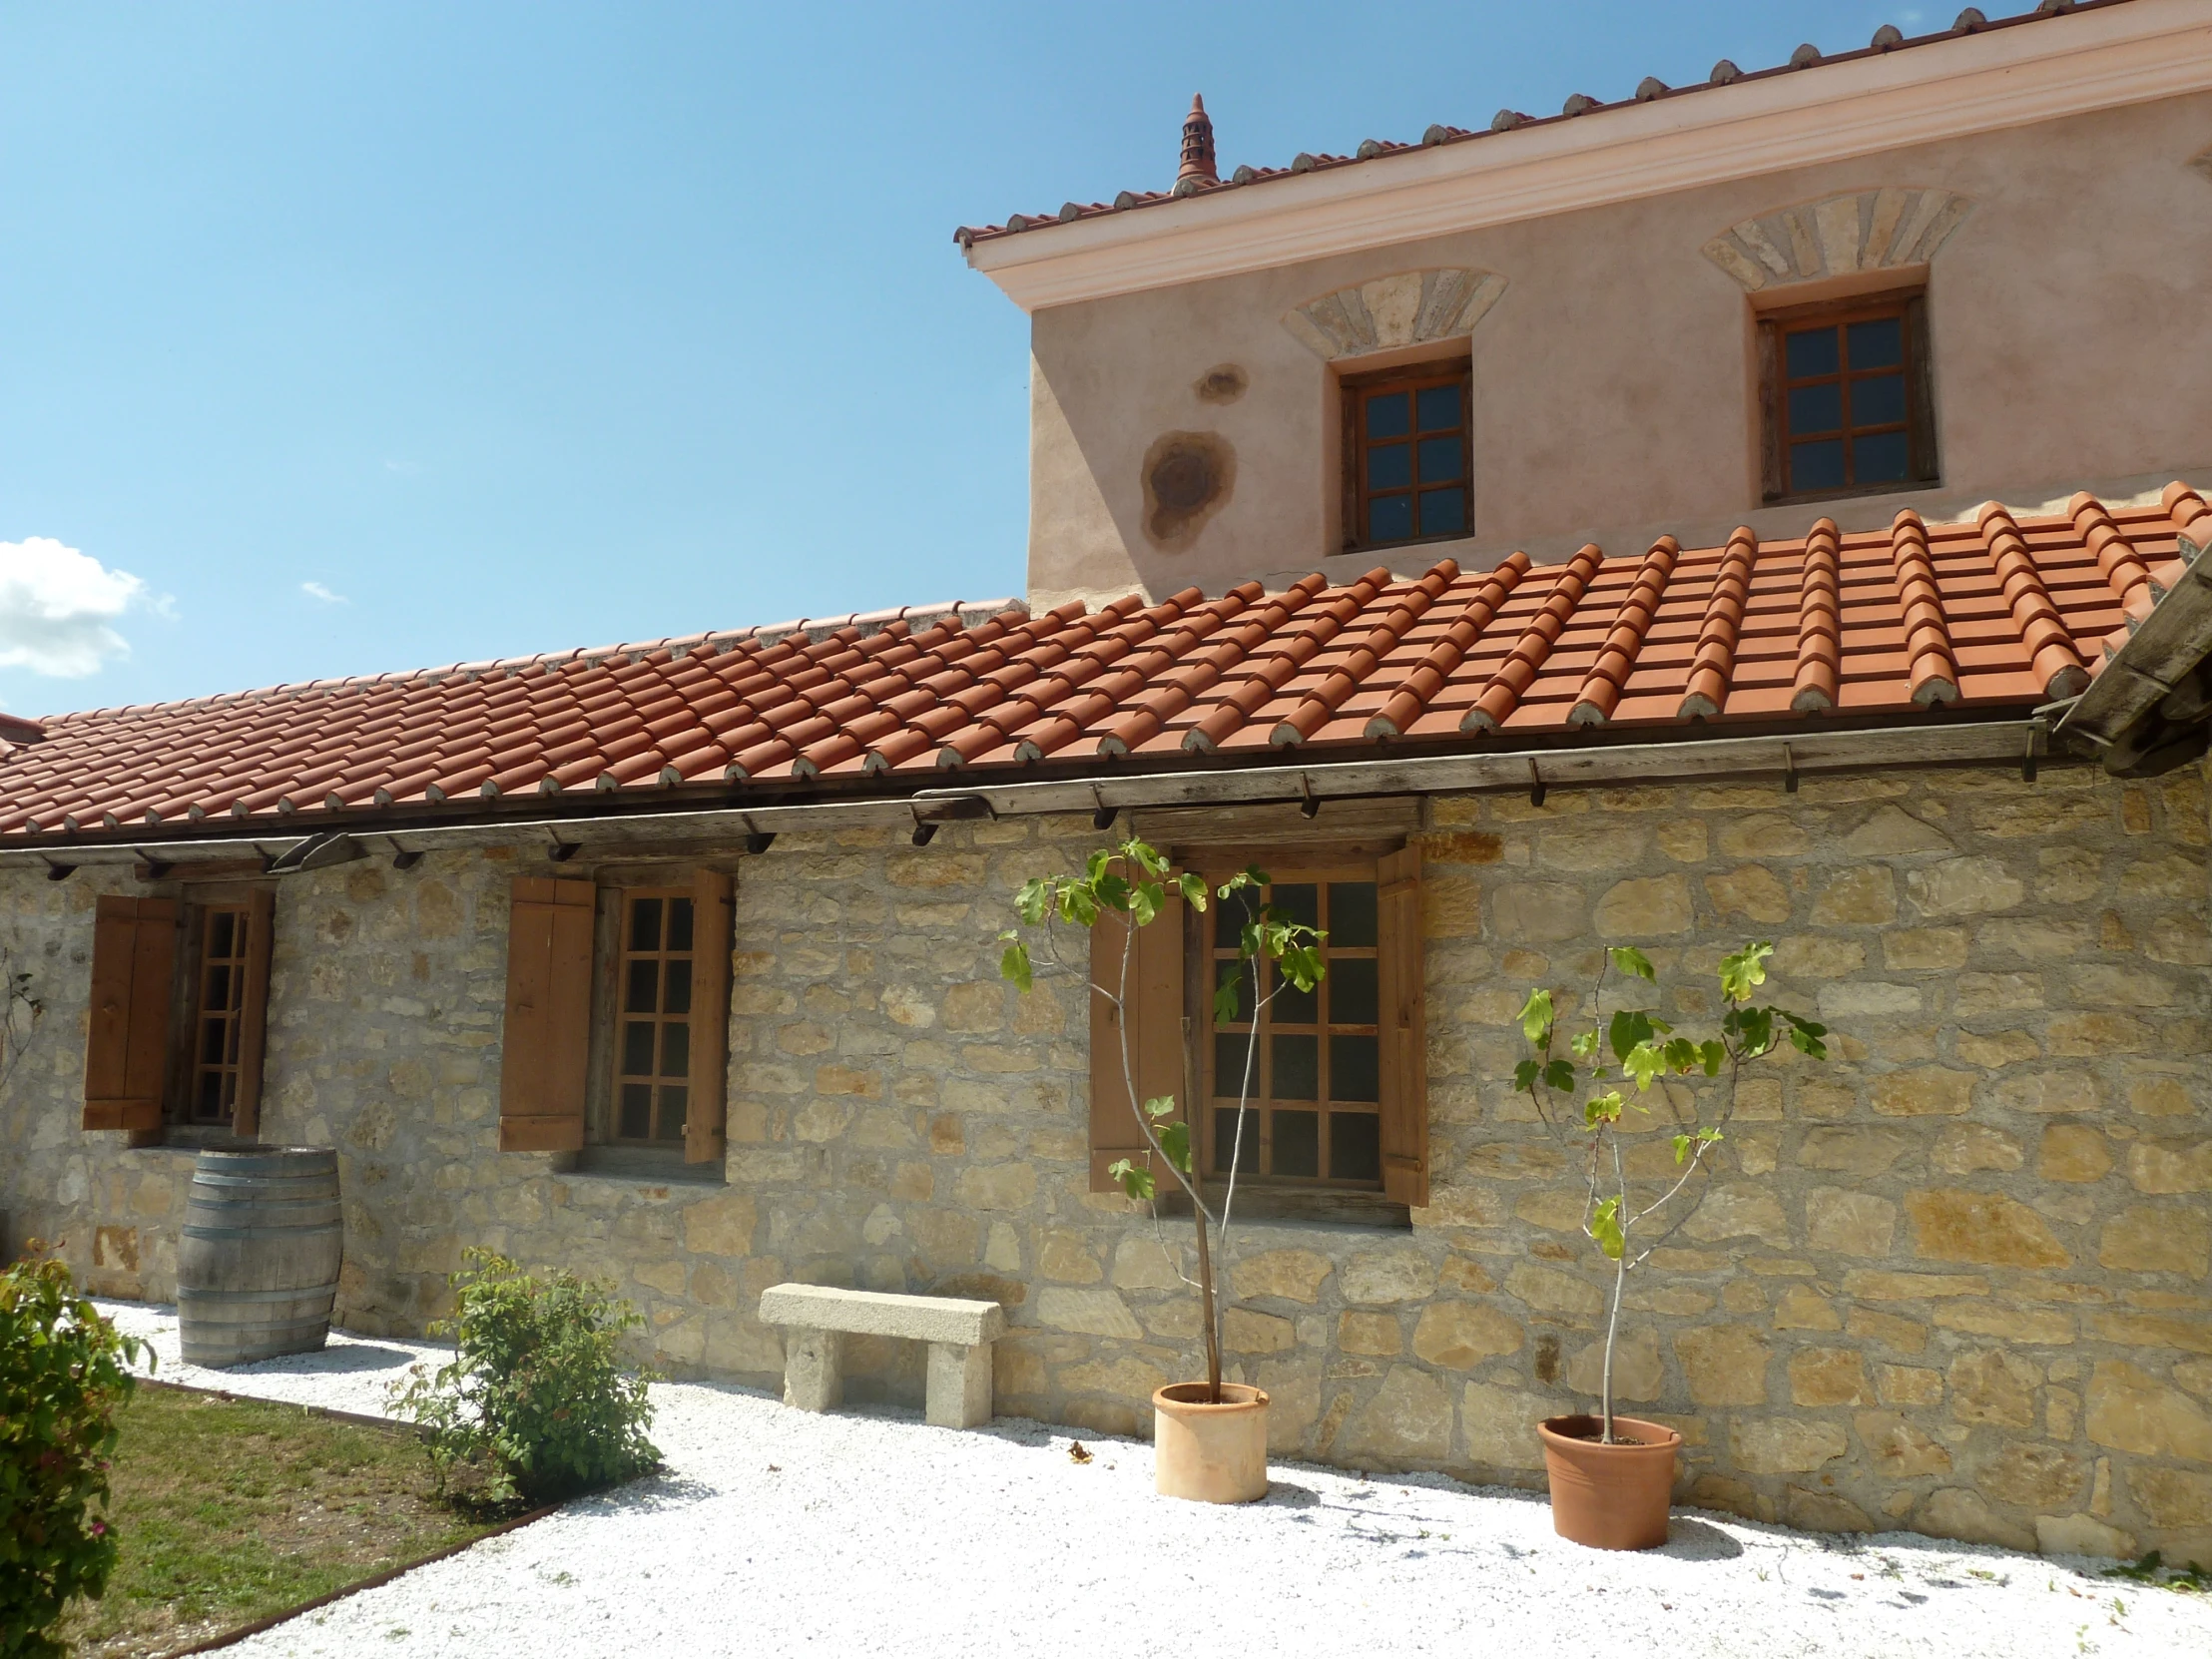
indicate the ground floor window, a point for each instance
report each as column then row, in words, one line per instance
column 1312, row 1084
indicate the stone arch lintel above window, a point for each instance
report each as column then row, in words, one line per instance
column 1872, row 230
column 1412, row 308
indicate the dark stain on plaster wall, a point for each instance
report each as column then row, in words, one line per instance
column 1547, row 1359
column 1223, row 383
column 1188, row 476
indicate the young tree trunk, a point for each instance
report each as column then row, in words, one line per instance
column 1612, row 1329
column 1206, row 1296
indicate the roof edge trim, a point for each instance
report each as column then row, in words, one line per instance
column 2070, row 65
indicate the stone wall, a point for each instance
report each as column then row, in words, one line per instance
column 1954, row 1279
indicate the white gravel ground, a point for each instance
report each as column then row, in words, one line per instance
column 777, row 1532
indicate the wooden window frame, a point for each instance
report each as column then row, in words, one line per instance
column 1354, row 392
column 623, row 1016
column 1909, row 309
column 245, row 1050
column 204, row 927
column 1320, row 872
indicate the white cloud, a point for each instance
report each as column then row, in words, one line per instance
column 315, row 590
column 57, row 605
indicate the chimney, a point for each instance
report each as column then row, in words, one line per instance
column 1197, row 151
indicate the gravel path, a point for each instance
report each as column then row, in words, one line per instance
column 777, row 1532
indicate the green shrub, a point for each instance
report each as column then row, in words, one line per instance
column 63, row 1371
column 536, row 1403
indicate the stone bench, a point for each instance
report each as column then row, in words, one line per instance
column 818, row 1319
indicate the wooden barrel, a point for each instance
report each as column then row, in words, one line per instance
column 258, row 1258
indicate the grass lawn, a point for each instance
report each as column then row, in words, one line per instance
column 229, row 1510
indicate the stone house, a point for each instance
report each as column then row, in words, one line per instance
column 676, row 962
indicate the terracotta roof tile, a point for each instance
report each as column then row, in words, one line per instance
column 1997, row 611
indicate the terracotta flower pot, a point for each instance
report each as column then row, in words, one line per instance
column 1209, row 1454
column 1609, row 1496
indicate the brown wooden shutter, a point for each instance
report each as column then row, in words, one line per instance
column 1920, row 390
column 1404, row 1124
column 712, row 906
column 133, row 962
column 1773, row 474
column 545, row 1045
column 260, row 917
column 1154, row 1003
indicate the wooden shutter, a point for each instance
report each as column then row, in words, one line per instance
column 545, row 1046
column 1773, row 472
column 1154, row 1007
column 1920, row 390
column 134, row 961
column 712, row 906
column 245, row 1111
column 1404, row 1124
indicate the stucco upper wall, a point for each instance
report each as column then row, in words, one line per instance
column 1614, row 385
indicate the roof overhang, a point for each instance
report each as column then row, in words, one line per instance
column 2066, row 66
column 2017, row 744
column 2149, row 709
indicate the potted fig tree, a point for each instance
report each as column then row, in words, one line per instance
column 1611, row 1477
column 1209, row 1438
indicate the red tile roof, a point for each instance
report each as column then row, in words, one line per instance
column 2002, row 613
column 1887, row 38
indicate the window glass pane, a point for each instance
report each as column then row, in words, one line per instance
column 676, row 1049
column 1444, row 512
column 1292, row 1006
column 1387, row 415
column 1817, row 408
column 1876, row 344
column 233, row 1030
column 672, row 1113
column 1231, row 1050
column 645, row 925
column 1352, row 913
column 1811, row 351
column 1297, row 1067
column 1236, row 974
column 1439, row 460
column 1351, row 995
column 1389, row 466
column 1297, row 902
column 677, row 997
column 221, row 926
column 1226, row 1146
column 1239, row 909
column 1877, row 400
column 1355, row 1146
column 1354, row 1068
column 229, row 1091
column 1297, row 1143
column 210, row 1102
column 1438, row 408
column 219, row 990
column 1817, row 466
column 636, row 1111
column 1390, row 518
column 1879, row 460
column 210, row 1042
column 642, row 994
column 636, row 1048
column 678, row 923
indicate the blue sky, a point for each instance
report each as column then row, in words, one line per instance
column 386, row 336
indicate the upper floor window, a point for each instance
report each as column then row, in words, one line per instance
column 1847, row 407
column 1407, row 461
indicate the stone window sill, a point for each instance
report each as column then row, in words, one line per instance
column 1259, row 1206
column 646, row 1166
